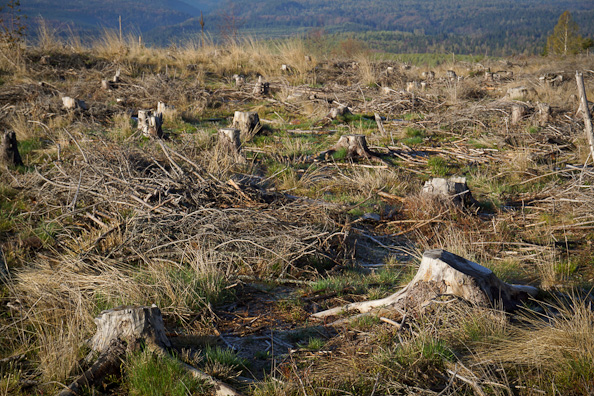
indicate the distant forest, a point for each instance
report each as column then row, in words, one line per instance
column 496, row 27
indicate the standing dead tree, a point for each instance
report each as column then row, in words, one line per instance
column 585, row 111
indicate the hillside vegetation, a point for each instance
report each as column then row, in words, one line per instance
column 495, row 28
column 239, row 248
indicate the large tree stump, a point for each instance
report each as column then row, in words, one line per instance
column 247, row 122
column 130, row 323
column 9, row 150
column 442, row 272
column 150, row 124
column 517, row 93
column 453, row 190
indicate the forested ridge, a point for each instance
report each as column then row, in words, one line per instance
column 498, row 27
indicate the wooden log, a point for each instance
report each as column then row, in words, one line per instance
column 585, row 111
column 453, row 190
column 248, row 123
column 544, row 114
column 9, row 150
column 442, row 272
column 229, row 140
column 518, row 113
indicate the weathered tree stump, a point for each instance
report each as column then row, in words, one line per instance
column 247, row 122
column 517, row 93
column 355, row 146
column 150, row 124
column 428, row 75
column 130, row 323
column 239, row 80
column 518, row 113
column 544, row 114
column 9, row 150
column 72, row 103
column 442, row 272
column 336, row 112
column 412, row 86
column 124, row 329
column 261, row 88
column 229, row 140
column 451, row 75
column 454, row 190
column 488, row 76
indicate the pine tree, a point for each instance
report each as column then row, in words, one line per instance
column 565, row 38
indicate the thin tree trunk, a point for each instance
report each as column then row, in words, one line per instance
column 585, row 111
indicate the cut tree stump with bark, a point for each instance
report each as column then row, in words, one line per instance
column 229, row 140
column 355, row 146
column 150, row 124
column 518, row 113
column 261, row 88
column 339, row 111
column 453, row 190
column 72, row 103
column 444, row 273
column 9, row 150
column 248, row 123
column 125, row 329
column 544, row 114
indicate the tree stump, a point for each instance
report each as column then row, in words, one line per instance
column 412, row 86
column 517, row 93
column 150, row 124
column 453, row 190
column 9, row 150
column 451, row 75
column 239, row 80
column 261, row 88
column 123, row 329
column 429, row 75
column 518, row 113
column 130, row 323
column 544, row 114
column 72, row 103
column 229, row 140
column 247, row 122
column 442, row 272
column 336, row 112
column 355, row 146
column 488, row 76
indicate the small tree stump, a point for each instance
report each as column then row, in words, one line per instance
column 150, row 124
column 261, row 88
column 488, row 76
column 453, row 190
column 356, row 147
column 517, row 93
column 239, row 80
column 429, row 75
column 518, row 112
column 412, row 86
column 9, row 150
column 451, row 75
column 336, row 112
column 442, row 272
column 247, row 122
column 72, row 103
column 544, row 114
column 229, row 140
column 106, row 85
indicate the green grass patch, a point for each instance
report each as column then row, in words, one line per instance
column 151, row 375
column 438, row 166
